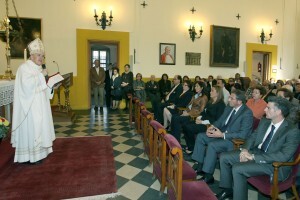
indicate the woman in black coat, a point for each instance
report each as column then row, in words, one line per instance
column 164, row 86
column 116, row 90
column 212, row 111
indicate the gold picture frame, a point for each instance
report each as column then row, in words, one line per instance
column 224, row 46
column 20, row 37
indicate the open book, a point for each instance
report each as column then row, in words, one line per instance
column 54, row 80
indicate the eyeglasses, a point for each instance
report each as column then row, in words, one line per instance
column 185, row 85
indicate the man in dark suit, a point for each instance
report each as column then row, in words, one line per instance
column 108, row 75
column 170, row 98
column 275, row 139
column 210, row 82
column 235, row 122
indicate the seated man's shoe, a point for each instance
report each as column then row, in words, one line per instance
column 207, row 180
column 200, row 172
column 198, row 169
column 225, row 194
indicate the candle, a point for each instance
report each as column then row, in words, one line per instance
column 25, row 55
column 111, row 13
column 95, row 11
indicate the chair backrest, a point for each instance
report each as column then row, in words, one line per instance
column 159, row 153
column 297, row 161
column 130, row 110
column 174, row 174
column 139, row 106
column 255, row 123
column 147, row 133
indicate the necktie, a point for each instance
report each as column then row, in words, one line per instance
column 168, row 96
column 224, row 127
column 266, row 143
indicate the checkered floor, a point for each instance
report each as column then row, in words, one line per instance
column 134, row 175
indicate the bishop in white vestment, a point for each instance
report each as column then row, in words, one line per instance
column 32, row 125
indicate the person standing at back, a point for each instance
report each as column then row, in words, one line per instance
column 108, row 75
column 97, row 81
column 127, row 83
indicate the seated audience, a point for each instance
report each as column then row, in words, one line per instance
column 194, row 109
column 185, row 78
column 256, row 103
column 278, row 85
column 297, row 89
column 221, row 83
column 212, row 111
column 210, row 82
column 235, row 86
column 235, row 122
column 152, row 90
column 260, row 151
column 248, row 92
column 229, row 84
column 171, row 97
column 183, row 100
column 295, row 106
column 139, row 87
column 164, row 86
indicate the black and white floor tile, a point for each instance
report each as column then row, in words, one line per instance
column 134, row 175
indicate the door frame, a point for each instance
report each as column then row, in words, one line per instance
column 81, row 95
column 263, row 48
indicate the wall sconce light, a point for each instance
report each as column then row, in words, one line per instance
column 193, row 33
column 263, row 37
column 103, row 21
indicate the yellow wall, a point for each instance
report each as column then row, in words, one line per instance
column 80, row 91
column 254, row 47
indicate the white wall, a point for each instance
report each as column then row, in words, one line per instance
column 163, row 21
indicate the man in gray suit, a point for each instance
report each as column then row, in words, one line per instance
column 235, row 122
column 275, row 139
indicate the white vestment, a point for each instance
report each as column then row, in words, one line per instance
column 32, row 125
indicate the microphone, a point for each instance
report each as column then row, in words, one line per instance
column 56, row 65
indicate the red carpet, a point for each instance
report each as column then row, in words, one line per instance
column 78, row 167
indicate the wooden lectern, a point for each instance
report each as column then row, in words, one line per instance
column 64, row 113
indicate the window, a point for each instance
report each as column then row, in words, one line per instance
column 102, row 56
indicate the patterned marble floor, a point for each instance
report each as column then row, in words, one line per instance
column 134, row 175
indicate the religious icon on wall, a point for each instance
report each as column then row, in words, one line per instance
column 24, row 30
column 224, row 46
column 167, row 54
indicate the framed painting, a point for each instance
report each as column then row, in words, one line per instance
column 224, row 46
column 21, row 36
column 167, row 54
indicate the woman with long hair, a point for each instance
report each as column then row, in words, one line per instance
column 194, row 108
column 164, row 86
column 212, row 111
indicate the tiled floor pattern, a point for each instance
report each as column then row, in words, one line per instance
column 134, row 175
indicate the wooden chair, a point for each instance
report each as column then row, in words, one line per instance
column 177, row 188
column 146, row 118
column 130, row 110
column 262, row 183
column 237, row 143
column 160, row 157
column 138, row 106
